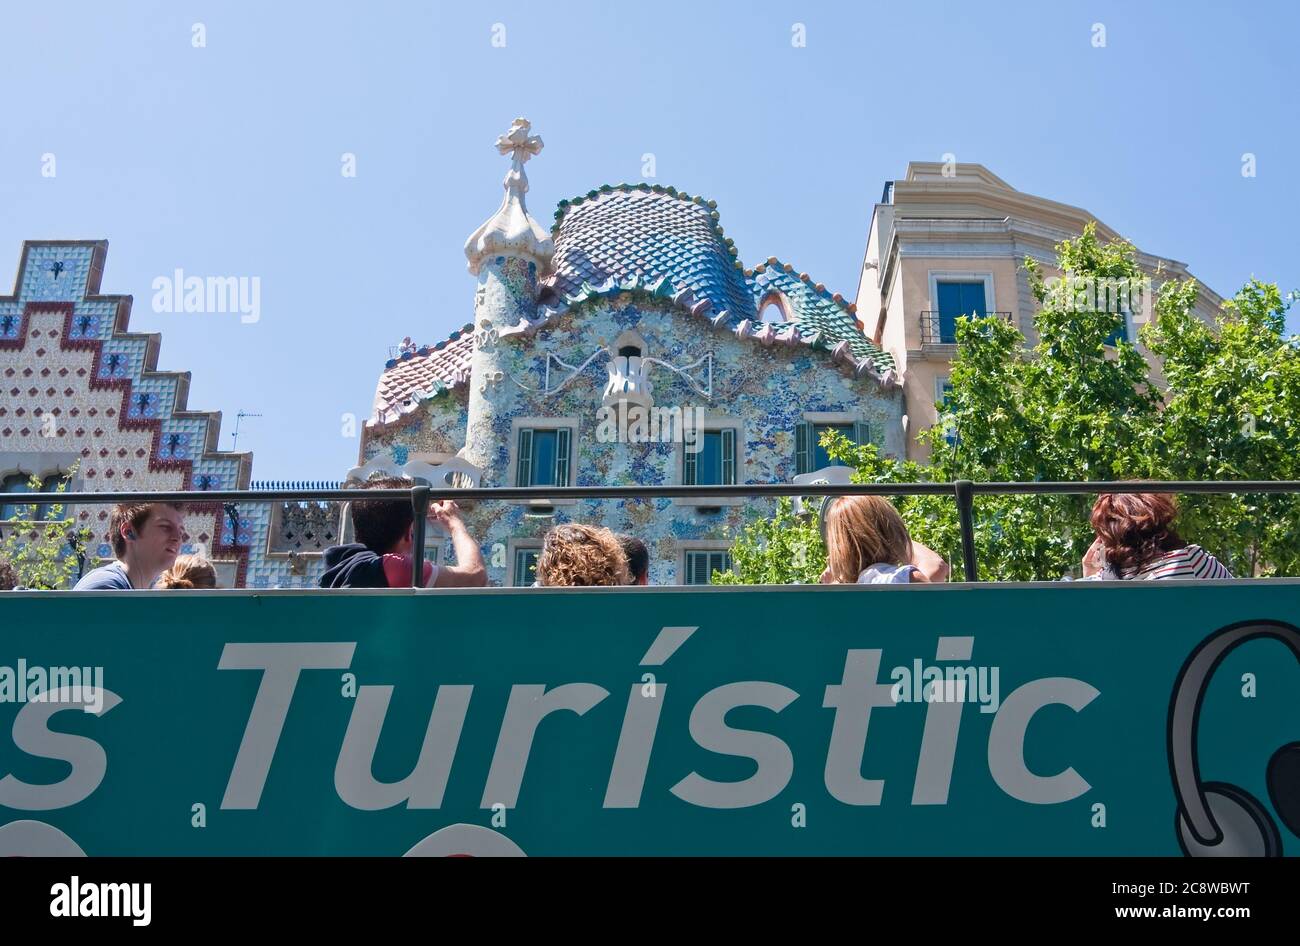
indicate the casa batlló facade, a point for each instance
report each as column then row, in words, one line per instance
column 627, row 344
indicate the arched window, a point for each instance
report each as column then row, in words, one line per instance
column 775, row 309
column 21, row 483
column 15, row 483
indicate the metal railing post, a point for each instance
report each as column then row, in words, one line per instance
column 965, row 491
column 420, row 507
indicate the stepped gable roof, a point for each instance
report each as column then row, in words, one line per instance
column 63, row 277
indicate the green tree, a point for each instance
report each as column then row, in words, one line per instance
column 786, row 549
column 1082, row 403
column 1076, row 405
column 1232, row 412
column 44, row 549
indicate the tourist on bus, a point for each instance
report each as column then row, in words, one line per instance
column 638, row 559
column 574, row 554
column 146, row 538
column 1136, row 540
column 381, row 556
column 189, row 571
column 867, row 543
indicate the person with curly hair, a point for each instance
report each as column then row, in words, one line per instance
column 581, row 555
column 1136, row 539
column 189, row 571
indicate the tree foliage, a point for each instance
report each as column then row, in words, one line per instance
column 44, row 549
column 1081, row 404
column 785, row 549
column 1232, row 413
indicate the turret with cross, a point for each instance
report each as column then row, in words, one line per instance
column 510, row 253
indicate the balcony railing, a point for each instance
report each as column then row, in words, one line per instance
column 943, row 331
column 962, row 491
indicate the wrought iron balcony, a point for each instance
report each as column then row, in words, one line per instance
column 937, row 330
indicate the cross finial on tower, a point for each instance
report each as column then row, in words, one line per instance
column 510, row 229
column 520, row 146
column 519, row 142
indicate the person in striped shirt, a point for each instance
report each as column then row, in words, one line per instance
column 1136, row 540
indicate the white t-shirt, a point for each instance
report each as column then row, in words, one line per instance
column 884, row 574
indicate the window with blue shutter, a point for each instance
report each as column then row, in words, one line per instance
column 958, row 298
column 561, row 475
column 714, row 464
column 865, row 432
column 19, row 483
column 543, row 457
column 803, row 436
column 701, row 564
column 524, row 471
column 16, row 483
column 821, row 459
column 810, row 455
column 525, row 567
column 1120, row 334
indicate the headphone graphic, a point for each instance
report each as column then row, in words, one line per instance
column 1216, row 819
column 824, row 513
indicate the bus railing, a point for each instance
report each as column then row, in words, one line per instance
column 420, row 497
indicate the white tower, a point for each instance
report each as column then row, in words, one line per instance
column 509, row 254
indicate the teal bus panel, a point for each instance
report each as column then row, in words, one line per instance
column 883, row 720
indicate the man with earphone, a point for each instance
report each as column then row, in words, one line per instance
column 146, row 539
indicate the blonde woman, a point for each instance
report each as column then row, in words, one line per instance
column 188, row 571
column 574, row 554
column 867, row 544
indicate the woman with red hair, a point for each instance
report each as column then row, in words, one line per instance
column 1136, row 540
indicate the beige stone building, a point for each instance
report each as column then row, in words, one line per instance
column 943, row 244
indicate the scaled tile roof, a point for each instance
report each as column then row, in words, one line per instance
column 421, row 374
column 646, row 231
column 654, row 241
column 813, row 308
column 666, row 241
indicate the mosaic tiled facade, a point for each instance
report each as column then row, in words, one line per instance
column 640, row 269
column 78, row 387
column 646, row 267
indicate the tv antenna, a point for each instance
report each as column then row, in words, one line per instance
column 234, row 441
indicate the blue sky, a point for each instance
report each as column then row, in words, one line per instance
column 225, row 160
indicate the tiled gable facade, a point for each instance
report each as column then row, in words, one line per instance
column 78, row 387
